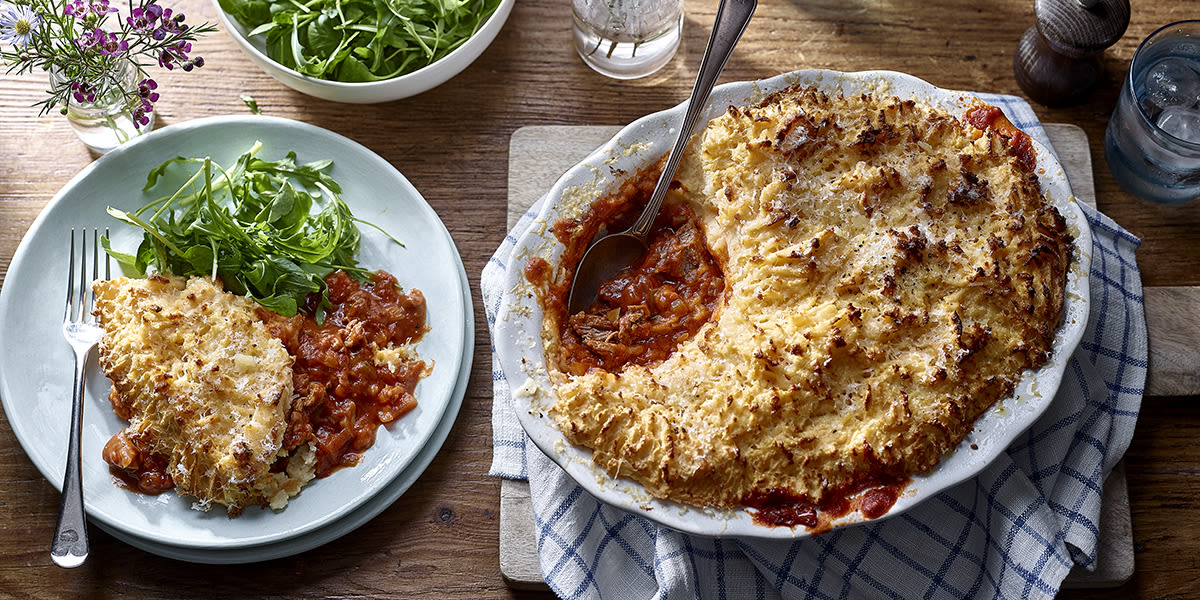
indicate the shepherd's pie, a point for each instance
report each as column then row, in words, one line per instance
column 885, row 272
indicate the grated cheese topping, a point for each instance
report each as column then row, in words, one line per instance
column 890, row 273
column 204, row 384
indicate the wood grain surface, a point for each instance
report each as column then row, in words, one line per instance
column 440, row 540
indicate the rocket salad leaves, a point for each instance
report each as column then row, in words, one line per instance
column 268, row 229
column 360, row 40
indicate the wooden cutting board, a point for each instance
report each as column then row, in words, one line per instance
column 539, row 155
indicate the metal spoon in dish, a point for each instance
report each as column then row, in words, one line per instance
column 610, row 254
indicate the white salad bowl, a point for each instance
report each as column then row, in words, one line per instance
column 370, row 92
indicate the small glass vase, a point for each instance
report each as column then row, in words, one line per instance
column 108, row 121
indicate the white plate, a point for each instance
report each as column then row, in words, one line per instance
column 520, row 352
column 35, row 365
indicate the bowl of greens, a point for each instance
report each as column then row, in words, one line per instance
column 363, row 51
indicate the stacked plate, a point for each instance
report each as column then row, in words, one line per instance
column 36, row 363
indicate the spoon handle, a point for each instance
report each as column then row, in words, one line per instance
column 727, row 30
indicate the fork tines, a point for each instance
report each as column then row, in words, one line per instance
column 77, row 309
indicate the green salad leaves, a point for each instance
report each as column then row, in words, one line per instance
column 360, row 40
column 269, row 230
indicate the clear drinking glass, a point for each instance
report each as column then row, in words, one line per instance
column 1152, row 144
column 626, row 39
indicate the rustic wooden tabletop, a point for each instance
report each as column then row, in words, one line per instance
column 439, row 540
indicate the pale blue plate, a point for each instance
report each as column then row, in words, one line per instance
column 36, row 363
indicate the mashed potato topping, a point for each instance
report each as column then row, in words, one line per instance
column 889, row 273
column 206, row 390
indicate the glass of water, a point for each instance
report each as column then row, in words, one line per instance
column 626, row 39
column 1153, row 140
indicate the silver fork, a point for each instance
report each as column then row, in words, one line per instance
column 70, row 546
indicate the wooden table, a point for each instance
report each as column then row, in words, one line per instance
column 440, row 539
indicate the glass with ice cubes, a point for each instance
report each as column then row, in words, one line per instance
column 1153, row 140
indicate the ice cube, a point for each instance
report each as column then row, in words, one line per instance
column 1173, row 81
column 1150, row 107
column 1183, row 123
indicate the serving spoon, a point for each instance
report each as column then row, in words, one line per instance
column 610, row 254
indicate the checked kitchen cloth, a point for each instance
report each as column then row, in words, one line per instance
column 1013, row 531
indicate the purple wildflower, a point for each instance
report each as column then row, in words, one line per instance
column 90, row 39
column 84, row 92
column 177, row 53
column 139, row 21
column 76, row 8
column 101, row 7
column 108, row 44
column 146, row 91
column 144, row 19
column 141, row 116
column 147, row 97
column 171, row 24
column 111, row 45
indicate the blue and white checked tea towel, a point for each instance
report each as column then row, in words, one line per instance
column 1014, row 531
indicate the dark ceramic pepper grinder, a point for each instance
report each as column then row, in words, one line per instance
column 1057, row 59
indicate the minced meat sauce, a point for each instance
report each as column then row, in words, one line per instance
column 646, row 310
column 872, row 496
column 342, row 392
column 1020, row 144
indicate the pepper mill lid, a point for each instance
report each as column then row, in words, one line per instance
column 1056, row 60
column 1082, row 28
